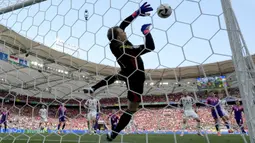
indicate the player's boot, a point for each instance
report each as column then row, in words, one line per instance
column 230, row 131
column 182, row 134
column 218, row 133
column 200, row 134
column 108, row 137
column 88, row 90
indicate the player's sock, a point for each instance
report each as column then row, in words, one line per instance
column 227, row 125
column 0, row 128
column 217, row 127
column 184, row 125
column 198, row 126
column 123, row 122
column 95, row 126
column 88, row 126
column 242, row 128
column 107, row 81
column 58, row 126
column 63, row 127
column 5, row 128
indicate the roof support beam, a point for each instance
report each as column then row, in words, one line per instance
column 219, row 68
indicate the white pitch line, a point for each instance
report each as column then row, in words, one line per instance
column 71, row 141
column 74, row 141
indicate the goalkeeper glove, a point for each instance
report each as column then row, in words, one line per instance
column 146, row 29
column 142, row 11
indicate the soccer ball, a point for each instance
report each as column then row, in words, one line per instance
column 164, row 11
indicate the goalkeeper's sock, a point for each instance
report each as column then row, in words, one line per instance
column 217, row 127
column 227, row 125
column 123, row 122
column 63, row 127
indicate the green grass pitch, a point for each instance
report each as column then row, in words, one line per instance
column 141, row 138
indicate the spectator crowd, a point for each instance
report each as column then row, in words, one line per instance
column 24, row 114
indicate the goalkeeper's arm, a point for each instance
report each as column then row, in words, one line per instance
column 143, row 11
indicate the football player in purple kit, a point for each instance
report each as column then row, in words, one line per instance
column 238, row 109
column 62, row 117
column 113, row 119
column 5, row 114
column 217, row 112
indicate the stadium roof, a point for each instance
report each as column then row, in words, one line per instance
column 20, row 45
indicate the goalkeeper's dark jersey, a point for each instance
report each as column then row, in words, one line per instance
column 129, row 56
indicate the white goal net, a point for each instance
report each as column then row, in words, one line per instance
column 51, row 50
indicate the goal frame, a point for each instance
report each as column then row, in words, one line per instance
column 244, row 66
column 19, row 6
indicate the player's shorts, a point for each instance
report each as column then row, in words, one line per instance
column 92, row 116
column 44, row 119
column 219, row 111
column 239, row 121
column 62, row 119
column 190, row 114
column 3, row 122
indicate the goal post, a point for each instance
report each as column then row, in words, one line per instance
column 244, row 66
column 19, row 6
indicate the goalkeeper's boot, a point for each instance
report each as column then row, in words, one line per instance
column 108, row 137
column 88, row 90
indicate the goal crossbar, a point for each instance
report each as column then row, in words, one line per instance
column 19, row 5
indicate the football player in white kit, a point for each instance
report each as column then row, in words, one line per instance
column 92, row 105
column 44, row 117
column 187, row 103
column 223, row 104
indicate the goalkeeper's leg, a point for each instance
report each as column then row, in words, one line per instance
column 134, row 98
column 124, row 120
column 106, row 81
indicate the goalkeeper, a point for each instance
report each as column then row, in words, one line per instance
column 132, row 68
